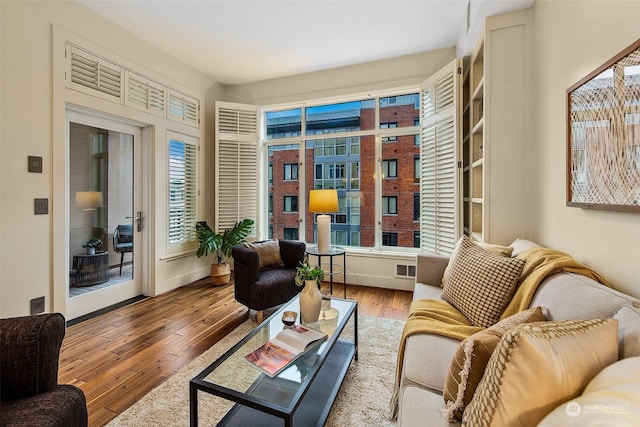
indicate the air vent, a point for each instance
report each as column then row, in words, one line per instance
column 406, row 271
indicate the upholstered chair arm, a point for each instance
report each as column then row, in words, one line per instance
column 29, row 355
column 430, row 268
column 292, row 252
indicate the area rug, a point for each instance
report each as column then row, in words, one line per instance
column 363, row 398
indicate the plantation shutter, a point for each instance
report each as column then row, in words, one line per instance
column 86, row 71
column 440, row 173
column 183, row 189
column 145, row 94
column 183, row 108
column 236, row 163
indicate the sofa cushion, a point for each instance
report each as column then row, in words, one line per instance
column 521, row 245
column 481, row 284
column 471, row 358
column 556, row 359
column 499, row 250
column 268, row 252
column 422, row 291
column 610, row 399
column 568, row 296
column 418, row 408
column 426, row 360
column 629, row 331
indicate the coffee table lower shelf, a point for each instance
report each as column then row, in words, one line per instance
column 315, row 405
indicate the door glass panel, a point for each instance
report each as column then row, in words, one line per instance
column 100, row 208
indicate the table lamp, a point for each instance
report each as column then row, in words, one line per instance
column 322, row 202
column 89, row 200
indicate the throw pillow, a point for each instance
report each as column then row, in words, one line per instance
column 538, row 366
column 521, row 245
column 504, row 251
column 629, row 331
column 481, row 284
column 471, row 358
column 610, row 399
column 268, row 252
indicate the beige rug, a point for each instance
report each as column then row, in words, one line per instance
column 363, row 399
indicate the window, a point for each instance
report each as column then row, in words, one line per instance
column 183, row 189
column 389, row 205
column 339, row 149
column 416, row 239
column 290, row 234
column 291, row 172
column 416, row 207
column 389, row 239
column 416, row 169
column 270, row 174
column 291, row 203
column 389, row 168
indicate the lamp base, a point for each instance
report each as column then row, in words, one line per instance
column 324, row 233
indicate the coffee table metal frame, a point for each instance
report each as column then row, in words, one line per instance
column 311, row 400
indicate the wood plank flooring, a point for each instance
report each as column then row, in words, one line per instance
column 118, row 357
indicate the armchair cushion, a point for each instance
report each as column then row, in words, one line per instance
column 268, row 253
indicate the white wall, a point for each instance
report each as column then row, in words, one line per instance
column 28, row 127
column 571, row 39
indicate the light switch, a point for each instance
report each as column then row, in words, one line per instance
column 41, row 206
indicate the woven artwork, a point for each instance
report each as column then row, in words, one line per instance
column 603, row 143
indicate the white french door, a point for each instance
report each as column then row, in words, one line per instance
column 104, row 205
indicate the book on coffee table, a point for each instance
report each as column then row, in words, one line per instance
column 289, row 344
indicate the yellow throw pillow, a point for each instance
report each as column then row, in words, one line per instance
column 268, row 252
column 538, row 366
column 470, row 360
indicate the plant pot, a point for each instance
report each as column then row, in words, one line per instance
column 220, row 274
column 310, row 302
column 91, row 251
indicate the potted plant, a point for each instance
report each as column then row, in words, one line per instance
column 220, row 245
column 91, row 245
column 310, row 297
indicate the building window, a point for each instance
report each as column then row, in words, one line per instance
column 389, row 239
column 183, row 191
column 416, row 169
column 389, row 205
column 291, row 203
column 416, row 239
column 390, row 168
column 416, row 207
column 270, row 174
column 290, row 234
column 291, row 172
column 270, row 205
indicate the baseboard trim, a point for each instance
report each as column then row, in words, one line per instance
column 105, row 310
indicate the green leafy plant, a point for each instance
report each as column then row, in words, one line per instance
column 306, row 271
column 93, row 242
column 220, row 244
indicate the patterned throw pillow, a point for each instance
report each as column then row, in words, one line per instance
column 471, row 358
column 268, row 252
column 504, row 251
column 538, row 366
column 481, row 284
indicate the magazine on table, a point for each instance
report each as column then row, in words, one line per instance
column 287, row 346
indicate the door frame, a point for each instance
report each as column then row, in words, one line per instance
column 61, row 193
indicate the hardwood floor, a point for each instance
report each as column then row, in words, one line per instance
column 117, row 357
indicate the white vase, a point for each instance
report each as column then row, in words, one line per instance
column 91, row 251
column 310, row 302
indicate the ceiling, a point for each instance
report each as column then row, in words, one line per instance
column 242, row 41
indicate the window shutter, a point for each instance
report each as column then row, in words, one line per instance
column 183, row 191
column 236, row 163
column 145, row 94
column 439, row 192
column 183, row 108
column 87, row 71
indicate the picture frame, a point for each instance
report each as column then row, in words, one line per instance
column 603, row 135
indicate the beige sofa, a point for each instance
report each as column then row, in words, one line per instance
column 563, row 296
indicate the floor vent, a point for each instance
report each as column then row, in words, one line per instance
column 403, row 270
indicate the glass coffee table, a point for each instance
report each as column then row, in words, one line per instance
column 303, row 393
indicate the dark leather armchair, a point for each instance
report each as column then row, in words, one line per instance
column 29, row 391
column 260, row 289
column 123, row 241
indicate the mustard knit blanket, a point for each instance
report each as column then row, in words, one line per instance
column 441, row 318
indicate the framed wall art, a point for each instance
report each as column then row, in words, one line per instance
column 603, row 135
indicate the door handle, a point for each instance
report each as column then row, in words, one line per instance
column 139, row 220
